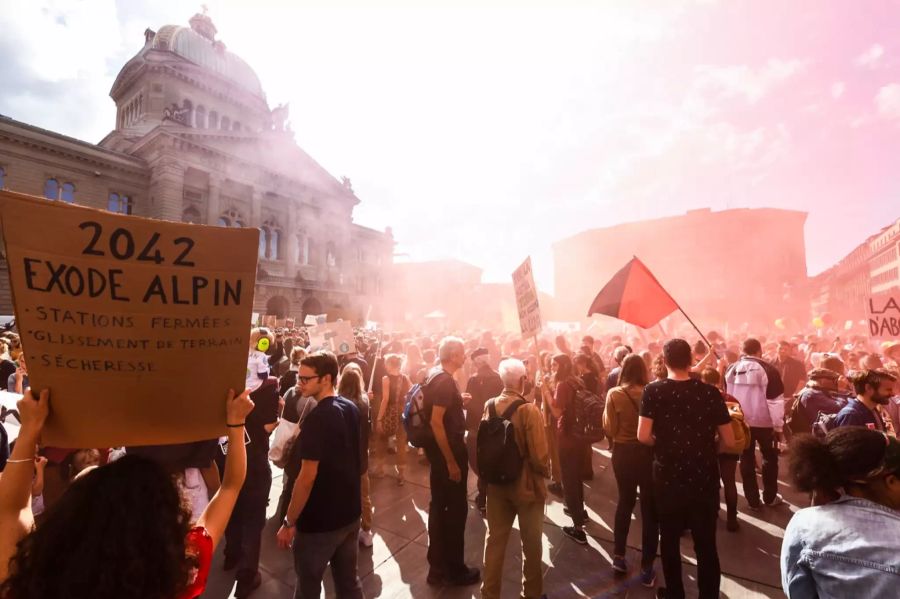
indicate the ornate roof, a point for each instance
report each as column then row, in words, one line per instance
column 197, row 44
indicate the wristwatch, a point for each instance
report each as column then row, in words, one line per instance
column 287, row 523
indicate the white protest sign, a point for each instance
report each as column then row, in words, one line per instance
column 336, row 337
column 527, row 300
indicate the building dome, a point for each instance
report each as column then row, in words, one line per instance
column 197, row 44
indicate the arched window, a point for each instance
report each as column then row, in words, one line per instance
column 230, row 218
column 2, row 177
column 226, row 123
column 263, row 242
column 190, row 215
column 119, row 203
column 236, row 126
column 51, row 189
column 274, row 244
column 188, row 107
column 331, row 257
column 270, row 241
column 68, row 193
column 213, row 119
column 200, row 117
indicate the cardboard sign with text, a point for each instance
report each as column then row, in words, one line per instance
column 527, row 300
column 336, row 337
column 883, row 312
column 138, row 327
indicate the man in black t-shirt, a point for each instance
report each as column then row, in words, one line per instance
column 449, row 470
column 323, row 517
column 485, row 384
column 680, row 417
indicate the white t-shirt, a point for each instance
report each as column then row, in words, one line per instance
column 257, row 364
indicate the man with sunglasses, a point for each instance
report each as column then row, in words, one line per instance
column 323, row 517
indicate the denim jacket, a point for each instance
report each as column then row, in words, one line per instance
column 848, row 548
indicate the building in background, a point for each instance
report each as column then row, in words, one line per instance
column 885, row 260
column 872, row 268
column 733, row 266
column 195, row 141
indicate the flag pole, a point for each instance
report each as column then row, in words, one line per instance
column 680, row 309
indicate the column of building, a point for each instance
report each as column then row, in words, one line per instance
column 213, row 203
column 167, row 189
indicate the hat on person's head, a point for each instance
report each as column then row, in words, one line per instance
column 822, row 373
column 481, row 351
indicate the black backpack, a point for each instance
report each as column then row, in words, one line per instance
column 824, row 424
column 587, row 414
column 497, row 454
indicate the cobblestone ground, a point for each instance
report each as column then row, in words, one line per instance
column 396, row 565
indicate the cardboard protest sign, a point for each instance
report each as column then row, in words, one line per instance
column 336, row 337
column 527, row 300
column 883, row 313
column 312, row 320
column 138, row 327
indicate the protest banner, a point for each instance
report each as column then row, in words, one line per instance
column 336, row 337
column 270, row 321
column 883, row 313
column 138, row 327
column 527, row 300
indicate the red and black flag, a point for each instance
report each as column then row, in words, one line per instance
column 635, row 296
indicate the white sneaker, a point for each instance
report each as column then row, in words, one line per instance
column 365, row 538
column 778, row 500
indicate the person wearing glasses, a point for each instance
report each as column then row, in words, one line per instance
column 847, row 547
column 323, row 518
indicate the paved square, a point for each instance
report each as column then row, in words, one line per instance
column 396, row 565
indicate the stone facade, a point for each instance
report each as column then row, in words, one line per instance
column 195, row 141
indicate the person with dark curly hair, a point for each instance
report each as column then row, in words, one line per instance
column 120, row 531
column 847, row 547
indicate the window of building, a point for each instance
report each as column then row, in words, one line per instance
column 269, row 241
column 68, row 193
column 331, row 257
column 200, row 117
column 226, row 123
column 121, row 204
column 235, row 126
column 231, row 218
column 213, row 119
column 51, row 189
column 54, row 191
column 191, row 215
column 2, row 177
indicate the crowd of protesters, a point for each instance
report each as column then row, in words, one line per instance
column 680, row 421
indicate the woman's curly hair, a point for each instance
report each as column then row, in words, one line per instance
column 117, row 532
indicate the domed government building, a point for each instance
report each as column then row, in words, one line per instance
column 196, row 141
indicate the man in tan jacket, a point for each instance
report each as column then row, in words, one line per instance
column 523, row 498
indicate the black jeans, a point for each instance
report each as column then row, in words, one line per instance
column 727, row 468
column 677, row 512
column 243, row 535
column 633, row 466
column 768, row 447
column 571, row 461
column 447, row 512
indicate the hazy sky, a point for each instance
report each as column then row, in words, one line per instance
column 486, row 134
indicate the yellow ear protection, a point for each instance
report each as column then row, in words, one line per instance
column 263, row 343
